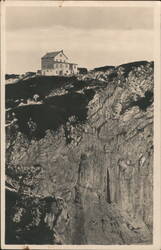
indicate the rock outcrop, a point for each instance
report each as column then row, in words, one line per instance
column 81, row 163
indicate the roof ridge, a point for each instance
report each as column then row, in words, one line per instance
column 52, row 54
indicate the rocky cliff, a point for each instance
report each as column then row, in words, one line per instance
column 79, row 166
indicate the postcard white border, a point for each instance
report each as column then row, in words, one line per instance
column 157, row 123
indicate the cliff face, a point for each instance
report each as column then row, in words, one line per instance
column 88, row 158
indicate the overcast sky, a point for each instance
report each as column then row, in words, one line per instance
column 90, row 37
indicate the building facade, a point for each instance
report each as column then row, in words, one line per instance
column 57, row 64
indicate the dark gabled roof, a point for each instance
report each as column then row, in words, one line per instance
column 53, row 54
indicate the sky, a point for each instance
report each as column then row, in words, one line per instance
column 89, row 36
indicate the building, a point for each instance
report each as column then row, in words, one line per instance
column 57, row 64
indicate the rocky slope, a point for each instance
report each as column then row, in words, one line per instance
column 79, row 166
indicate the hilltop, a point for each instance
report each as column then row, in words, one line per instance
column 80, row 157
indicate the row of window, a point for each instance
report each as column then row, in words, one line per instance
column 57, row 72
column 63, row 66
column 60, row 65
column 59, row 60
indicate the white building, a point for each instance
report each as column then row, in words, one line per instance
column 57, row 64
